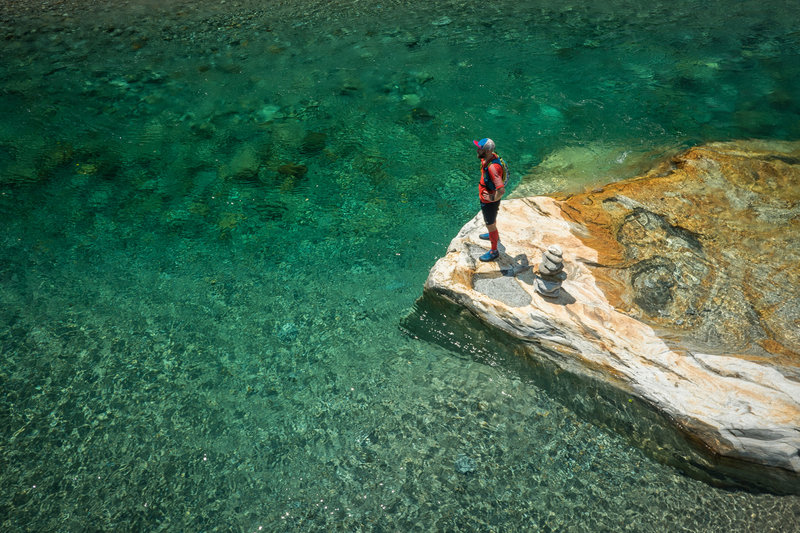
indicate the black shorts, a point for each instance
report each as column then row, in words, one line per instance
column 490, row 212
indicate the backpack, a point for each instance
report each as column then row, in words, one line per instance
column 489, row 184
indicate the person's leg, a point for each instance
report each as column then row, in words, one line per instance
column 486, row 236
column 489, row 217
column 494, row 235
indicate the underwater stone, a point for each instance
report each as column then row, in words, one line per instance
column 465, row 464
column 350, row 87
column 293, row 170
column 551, row 113
column 423, row 77
column 288, row 332
column 244, row 165
column 204, row 130
column 419, row 114
column 313, row 142
column 268, row 112
column 411, row 99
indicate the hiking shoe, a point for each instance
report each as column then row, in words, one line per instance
column 491, row 255
column 484, row 236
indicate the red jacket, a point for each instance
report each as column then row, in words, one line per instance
column 494, row 180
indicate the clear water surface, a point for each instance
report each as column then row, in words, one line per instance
column 216, row 216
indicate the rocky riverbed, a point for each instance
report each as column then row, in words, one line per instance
column 682, row 290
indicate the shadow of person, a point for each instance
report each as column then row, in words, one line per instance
column 517, row 266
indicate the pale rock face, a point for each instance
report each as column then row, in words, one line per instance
column 649, row 297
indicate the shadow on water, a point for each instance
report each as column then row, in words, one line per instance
column 441, row 322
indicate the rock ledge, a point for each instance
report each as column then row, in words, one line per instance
column 682, row 289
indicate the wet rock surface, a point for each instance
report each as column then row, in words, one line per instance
column 682, row 288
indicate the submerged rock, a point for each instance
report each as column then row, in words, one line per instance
column 288, row 332
column 268, row 113
column 313, row 143
column 204, row 130
column 350, row 87
column 411, row 99
column 293, row 170
column 573, row 167
column 465, row 464
column 419, row 114
column 682, row 289
column 243, row 165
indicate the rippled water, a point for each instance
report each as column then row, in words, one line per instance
column 216, row 217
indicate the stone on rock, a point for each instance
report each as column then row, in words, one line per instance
column 554, row 259
column 544, row 270
column 552, row 264
column 549, row 267
column 547, row 287
column 555, row 251
column 552, row 273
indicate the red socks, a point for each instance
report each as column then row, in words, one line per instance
column 494, row 237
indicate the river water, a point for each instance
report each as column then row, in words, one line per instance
column 216, row 217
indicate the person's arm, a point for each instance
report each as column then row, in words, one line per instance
column 496, row 173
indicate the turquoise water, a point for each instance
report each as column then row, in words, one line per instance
column 216, row 218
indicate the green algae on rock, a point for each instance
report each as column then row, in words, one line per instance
column 682, row 289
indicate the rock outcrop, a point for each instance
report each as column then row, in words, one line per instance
column 682, row 288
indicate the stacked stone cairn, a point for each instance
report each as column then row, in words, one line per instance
column 551, row 272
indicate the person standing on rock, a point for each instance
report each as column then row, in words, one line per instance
column 491, row 187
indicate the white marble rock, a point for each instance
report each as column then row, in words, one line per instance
column 737, row 408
